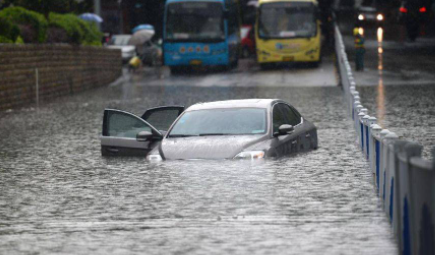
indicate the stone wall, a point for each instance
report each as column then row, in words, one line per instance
column 63, row 70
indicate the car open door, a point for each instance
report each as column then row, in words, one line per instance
column 162, row 117
column 120, row 130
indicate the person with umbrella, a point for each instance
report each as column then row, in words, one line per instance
column 91, row 17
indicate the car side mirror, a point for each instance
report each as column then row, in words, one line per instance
column 285, row 129
column 144, row 136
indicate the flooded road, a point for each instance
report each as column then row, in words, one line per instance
column 58, row 195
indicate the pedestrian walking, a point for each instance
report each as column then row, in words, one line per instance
column 359, row 50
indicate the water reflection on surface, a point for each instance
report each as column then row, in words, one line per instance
column 380, row 99
column 58, row 195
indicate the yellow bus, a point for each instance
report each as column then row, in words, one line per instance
column 287, row 31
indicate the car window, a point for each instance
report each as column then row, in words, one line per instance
column 283, row 114
column 162, row 119
column 297, row 113
column 293, row 117
column 235, row 121
column 121, row 40
column 279, row 117
column 124, row 125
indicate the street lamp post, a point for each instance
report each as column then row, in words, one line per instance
column 121, row 25
column 97, row 10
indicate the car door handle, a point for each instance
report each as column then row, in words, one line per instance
column 307, row 135
column 294, row 142
column 113, row 149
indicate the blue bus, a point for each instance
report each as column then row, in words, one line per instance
column 201, row 32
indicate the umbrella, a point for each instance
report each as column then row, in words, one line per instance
column 143, row 27
column 91, row 17
column 140, row 37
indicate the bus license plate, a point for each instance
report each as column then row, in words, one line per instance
column 195, row 62
column 288, row 59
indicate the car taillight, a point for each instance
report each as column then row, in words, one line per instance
column 380, row 17
column 423, row 9
column 403, row 10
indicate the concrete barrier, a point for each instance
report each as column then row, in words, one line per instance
column 403, row 180
column 389, row 174
column 405, row 204
column 374, row 162
column 422, row 196
column 383, row 161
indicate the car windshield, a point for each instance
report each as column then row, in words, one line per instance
column 287, row 20
column 235, row 121
column 120, row 40
column 195, row 21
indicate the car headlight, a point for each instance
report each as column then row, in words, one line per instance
column 250, row 155
column 360, row 17
column 380, row 17
column 154, row 158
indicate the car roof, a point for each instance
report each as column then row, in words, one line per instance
column 242, row 103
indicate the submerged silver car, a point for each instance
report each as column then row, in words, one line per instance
column 250, row 128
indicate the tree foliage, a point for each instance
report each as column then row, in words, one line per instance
column 47, row 6
column 32, row 25
column 78, row 30
column 8, row 30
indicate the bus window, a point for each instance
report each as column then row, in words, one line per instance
column 287, row 20
column 195, row 21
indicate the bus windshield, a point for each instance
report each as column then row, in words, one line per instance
column 195, row 21
column 287, row 20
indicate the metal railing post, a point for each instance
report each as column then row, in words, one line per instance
column 37, row 87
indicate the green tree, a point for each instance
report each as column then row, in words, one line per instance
column 47, row 6
column 32, row 25
column 77, row 30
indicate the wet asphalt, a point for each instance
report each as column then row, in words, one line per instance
column 58, row 195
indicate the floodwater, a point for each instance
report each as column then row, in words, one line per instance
column 397, row 85
column 58, row 195
column 409, row 111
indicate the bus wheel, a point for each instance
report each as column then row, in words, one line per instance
column 265, row 66
column 176, row 69
column 315, row 64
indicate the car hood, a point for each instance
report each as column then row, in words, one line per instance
column 207, row 147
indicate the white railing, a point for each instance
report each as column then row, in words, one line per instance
column 403, row 180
